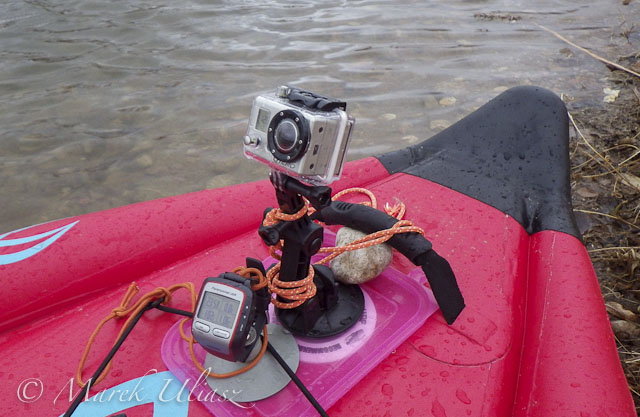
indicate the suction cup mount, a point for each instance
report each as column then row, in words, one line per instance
column 262, row 381
column 335, row 307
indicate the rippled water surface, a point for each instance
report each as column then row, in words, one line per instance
column 108, row 103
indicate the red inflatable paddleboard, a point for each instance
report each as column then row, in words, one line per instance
column 491, row 193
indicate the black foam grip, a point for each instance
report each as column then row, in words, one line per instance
column 412, row 245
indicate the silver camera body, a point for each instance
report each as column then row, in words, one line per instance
column 301, row 133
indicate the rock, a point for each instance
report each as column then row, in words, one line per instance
column 221, row 180
column 430, row 102
column 362, row 265
column 410, row 139
column 439, row 124
column 617, row 310
column 610, row 95
column 447, row 101
column 625, row 329
column 144, row 160
column 566, row 52
column 586, row 192
column 388, row 117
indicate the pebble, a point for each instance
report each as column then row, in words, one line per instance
column 362, row 265
column 447, row 101
column 89, row 146
column 439, row 124
column 145, row 160
column 388, row 116
column 410, row 139
column 64, row 171
column 617, row 310
column 430, row 102
column 611, row 95
column 625, row 329
column 586, row 192
column 221, row 180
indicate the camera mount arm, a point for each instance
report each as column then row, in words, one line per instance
column 335, row 306
column 289, row 190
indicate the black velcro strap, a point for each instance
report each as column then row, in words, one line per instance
column 412, row 245
column 443, row 283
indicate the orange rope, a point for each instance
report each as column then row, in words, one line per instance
column 253, row 274
column 276, row 215
column 124, row 310
column 297, row 292
column 372, row 197
column 381, row 236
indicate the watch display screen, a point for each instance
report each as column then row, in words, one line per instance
column 218, row 309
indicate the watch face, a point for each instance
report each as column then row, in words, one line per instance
column 219, row 310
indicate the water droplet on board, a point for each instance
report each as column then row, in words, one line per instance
column 402, row 360
column 462, row 396
column 437, row 409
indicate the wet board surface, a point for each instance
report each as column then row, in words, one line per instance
column 534, row 339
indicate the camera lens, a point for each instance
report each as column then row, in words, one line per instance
column 286, row 135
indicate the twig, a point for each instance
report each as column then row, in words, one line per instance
column 594, row 150
column 586, row 51
column 613, row 248
column 610, row 216
column 604, row 160
column 637, row 93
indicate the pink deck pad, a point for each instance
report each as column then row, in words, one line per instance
column 396, row 305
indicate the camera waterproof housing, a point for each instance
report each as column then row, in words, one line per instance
column 301, row 133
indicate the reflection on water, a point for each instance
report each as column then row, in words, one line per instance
column 108, row 103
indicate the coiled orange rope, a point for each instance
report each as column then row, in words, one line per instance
column 126, row 309
column 297, row 292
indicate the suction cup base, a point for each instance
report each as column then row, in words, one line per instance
column 346, row 312
column 263, row 380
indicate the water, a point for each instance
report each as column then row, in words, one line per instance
column 108, row 103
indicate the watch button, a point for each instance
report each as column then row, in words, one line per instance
column 202, row 327
column 221, row 333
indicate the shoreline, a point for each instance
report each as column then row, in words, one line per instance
column 605, row 182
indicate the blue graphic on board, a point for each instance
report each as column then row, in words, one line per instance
column 168, row 395
column 52, row 236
